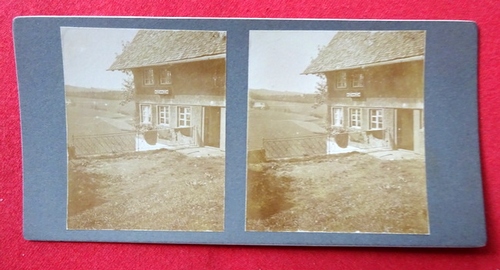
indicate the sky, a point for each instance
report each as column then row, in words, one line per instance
column 277, row 59
column 89, row 52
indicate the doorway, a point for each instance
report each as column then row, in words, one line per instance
column 404, row 128
column 211, row 126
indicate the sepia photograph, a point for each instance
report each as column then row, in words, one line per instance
column 145, row 122
column 336, row 132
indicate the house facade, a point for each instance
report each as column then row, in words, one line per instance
column 375, row 87
column 180, row 85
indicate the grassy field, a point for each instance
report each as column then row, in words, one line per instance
column 96, row 120
column 85, row 118
column 298, row 108
column 109, row 105
column 143, row 191
column 283, row 120
column 86, row 121
column 342, row 193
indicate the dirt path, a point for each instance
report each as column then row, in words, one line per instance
column 161, row 190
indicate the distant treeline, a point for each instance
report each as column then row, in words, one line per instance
column 303, row 98
column 112, row 95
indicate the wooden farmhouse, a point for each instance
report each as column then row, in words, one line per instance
column 180, row 85
column 375, row 87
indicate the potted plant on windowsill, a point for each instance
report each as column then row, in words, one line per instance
column 340, row 135
column 150, row 134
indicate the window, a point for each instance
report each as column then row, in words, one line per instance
column 337, row 117
column 165, row 76
column 163, row 115
column 145, row 114
column 376, row 118
column 342, row 80
column 219, row 77
column 184, row 117
column 358, row 80
column 148, row 77
column 355, row 117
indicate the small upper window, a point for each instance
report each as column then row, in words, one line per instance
column 341, row 80
column 166, row 76
column 358, row 80
column 148, row 77
column 219, row 77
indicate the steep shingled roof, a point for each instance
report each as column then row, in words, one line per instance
column 156, row 47
column 358, row 48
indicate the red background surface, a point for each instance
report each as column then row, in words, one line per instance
column 16, row 253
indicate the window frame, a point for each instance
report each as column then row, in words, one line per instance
column 165, row 116
column 148, row 76
column 219, row 77
column 142, row 115
column 184, row 117
column 341, row 80
column 337, row 114
column 355, row 122
column 165, row 76
column 377, row 118
column 358, row 80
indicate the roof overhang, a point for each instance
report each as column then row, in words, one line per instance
column 180, row 61
column 382, row 63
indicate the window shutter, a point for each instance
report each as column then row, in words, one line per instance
column 174, row 116
column 365, row 119
column 153, row 115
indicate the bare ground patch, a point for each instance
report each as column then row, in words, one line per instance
column 160, row 190
column 343, row 193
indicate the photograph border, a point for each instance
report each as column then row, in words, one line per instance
column 107, row 128
column 454, row 185
column 285, row 151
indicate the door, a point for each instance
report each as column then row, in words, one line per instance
column 211, row 126
column 404, row 127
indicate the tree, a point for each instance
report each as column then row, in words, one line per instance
column 128, row 88
column 321, row 93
